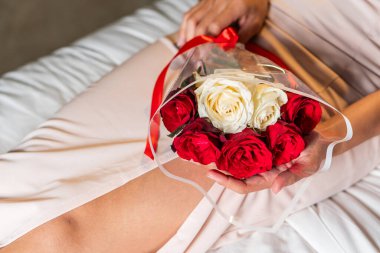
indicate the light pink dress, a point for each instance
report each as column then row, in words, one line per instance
column 95, row 143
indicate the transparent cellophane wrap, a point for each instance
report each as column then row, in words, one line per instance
column 257, row 211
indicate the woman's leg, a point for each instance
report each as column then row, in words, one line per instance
column 140, row 216
column 91, row 147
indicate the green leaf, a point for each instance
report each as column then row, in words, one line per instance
column 187, row 81
column 177, row 131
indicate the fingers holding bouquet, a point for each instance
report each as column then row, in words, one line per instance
column 210, row 17
column 305, row 165
column 244, row 186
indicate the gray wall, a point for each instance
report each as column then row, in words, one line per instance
column 32, row 28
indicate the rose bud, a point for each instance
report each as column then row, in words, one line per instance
column 267, row 101
column 199, row 141
column 244, row 155
column 304, row 112
column 285, row 142
column 179, row 110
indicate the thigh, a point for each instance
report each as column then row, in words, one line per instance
column 139, row 216
column 142, row 215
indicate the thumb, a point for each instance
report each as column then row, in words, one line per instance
column 285, row 178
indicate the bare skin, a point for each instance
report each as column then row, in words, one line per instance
column 140, row 216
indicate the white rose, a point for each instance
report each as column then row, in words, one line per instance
column 268, row 101
column 227, row 103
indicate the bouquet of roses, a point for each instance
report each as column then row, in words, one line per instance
column 242, row 114
column 242, row 124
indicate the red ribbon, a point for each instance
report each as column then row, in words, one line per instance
column 226, row 40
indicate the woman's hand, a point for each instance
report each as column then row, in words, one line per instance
column 305, row 165
column 212, row 16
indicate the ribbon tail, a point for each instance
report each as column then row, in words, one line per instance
column 154, row 134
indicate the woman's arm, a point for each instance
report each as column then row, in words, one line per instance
column 364, row 116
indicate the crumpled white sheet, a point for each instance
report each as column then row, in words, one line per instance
column 33, row 93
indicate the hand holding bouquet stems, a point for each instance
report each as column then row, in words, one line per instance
column 210, row 17
column 283, row 175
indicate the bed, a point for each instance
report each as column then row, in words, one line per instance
column 346, row 222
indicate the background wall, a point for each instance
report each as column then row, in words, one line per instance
column 33, row 28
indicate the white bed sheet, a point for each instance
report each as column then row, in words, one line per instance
column 347, row 222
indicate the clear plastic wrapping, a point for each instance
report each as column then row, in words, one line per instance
column 210, row 63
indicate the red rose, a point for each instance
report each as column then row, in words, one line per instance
column 302, row 111
column 285, row 142
column 179, row 110
column 199, row 141
column 244, row 154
